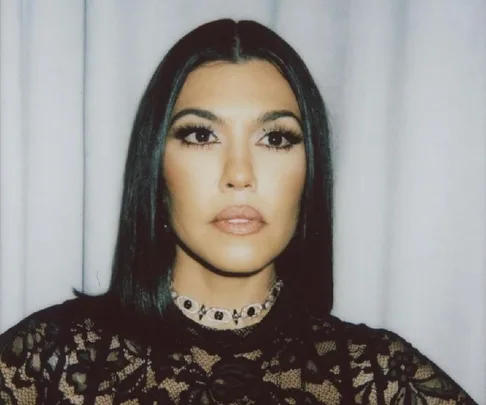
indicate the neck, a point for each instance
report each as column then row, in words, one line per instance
column 191, row 279
column 214, row 290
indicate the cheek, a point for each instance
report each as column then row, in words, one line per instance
column 190, row 182
column 283, row 186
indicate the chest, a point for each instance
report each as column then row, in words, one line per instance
column 124, row 374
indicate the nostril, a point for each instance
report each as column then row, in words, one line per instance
column 230, row 185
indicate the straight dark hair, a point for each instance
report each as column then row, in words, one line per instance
column 144, row 250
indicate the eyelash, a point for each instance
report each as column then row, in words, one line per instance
column 292, row 137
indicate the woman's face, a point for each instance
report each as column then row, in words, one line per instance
column 235, row 139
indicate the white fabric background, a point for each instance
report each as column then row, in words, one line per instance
column 405, row 82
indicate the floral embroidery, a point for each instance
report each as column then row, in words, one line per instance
column 6, row 395
column 233, row 380
column 322, row 361
column 402, row 367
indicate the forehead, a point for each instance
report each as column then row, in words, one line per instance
column 254, row 85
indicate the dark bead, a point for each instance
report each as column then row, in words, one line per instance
column 251, row 311
column 187, row 304
column 202, row 311
column 218, row 315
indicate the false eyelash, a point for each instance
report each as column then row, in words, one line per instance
column 292, row 136
column 183, row 131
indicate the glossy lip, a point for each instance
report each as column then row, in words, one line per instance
column 239, row 212
column 239, row 220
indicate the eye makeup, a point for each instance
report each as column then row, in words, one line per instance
column 279, row 132
column 200, row 132
column 199, row 136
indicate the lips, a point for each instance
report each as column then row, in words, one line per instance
column 239, row 220
column 244, row 212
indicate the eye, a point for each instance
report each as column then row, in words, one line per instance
column 277, row 138
column 195, row 136
column 281, row 139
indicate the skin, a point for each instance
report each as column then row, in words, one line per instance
column 236, row 169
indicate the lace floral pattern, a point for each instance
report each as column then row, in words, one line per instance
column 66, row 359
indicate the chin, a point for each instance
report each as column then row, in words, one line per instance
column 241, row 267
column 239, row 264
column 231, row 255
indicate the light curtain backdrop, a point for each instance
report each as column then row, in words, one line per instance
column 405, row 83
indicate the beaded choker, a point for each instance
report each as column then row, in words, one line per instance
column 223, row 315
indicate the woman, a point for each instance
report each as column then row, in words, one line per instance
column 222, row 276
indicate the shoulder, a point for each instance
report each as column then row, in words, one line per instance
column 65, row 343
column 381, row 363
column 40, row 326
column 361, row 340
column 44, row 327
column 51, row 334
column 31, row 351
column 45, row 332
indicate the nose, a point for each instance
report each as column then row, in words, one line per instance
column 238, row 170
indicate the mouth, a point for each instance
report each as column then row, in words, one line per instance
column 239, row 220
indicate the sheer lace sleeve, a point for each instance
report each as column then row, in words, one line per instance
column 27, row 361
column 392, row 371
column 67, row 355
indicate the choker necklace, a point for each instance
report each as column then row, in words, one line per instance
column 223, row 315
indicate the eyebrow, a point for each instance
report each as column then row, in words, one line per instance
column 208, row 115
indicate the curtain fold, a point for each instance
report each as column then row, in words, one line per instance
column 12, row 192
column 411, row 167
column 405, row 84
column 42, row 153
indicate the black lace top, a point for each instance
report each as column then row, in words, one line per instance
column 87, row 353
